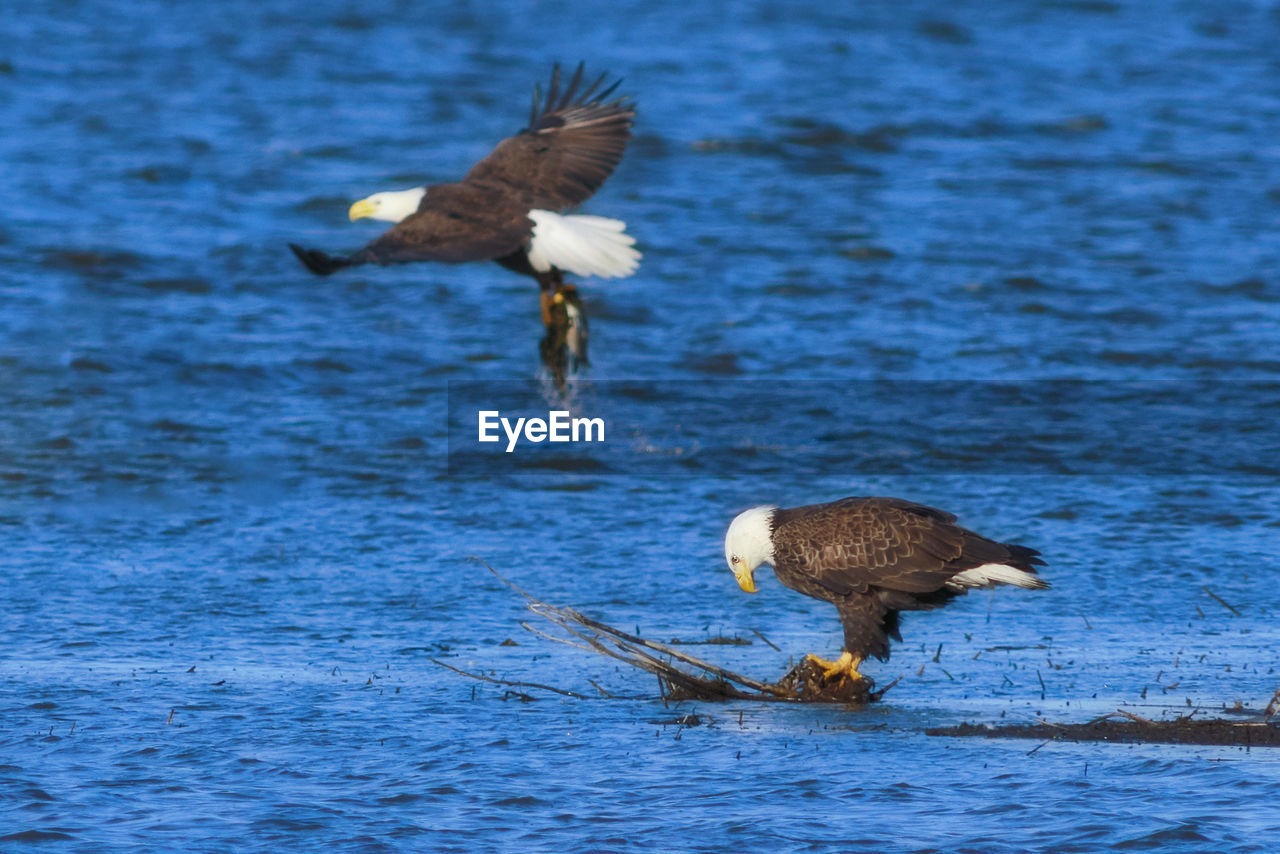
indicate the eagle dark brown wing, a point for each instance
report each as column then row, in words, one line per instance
column 574, row 141
column 851, row 545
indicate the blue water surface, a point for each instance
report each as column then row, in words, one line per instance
column 233, row 548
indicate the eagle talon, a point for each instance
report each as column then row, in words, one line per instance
column 844, row 666
column 544, row 304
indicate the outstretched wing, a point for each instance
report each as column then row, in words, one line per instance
column 574, row 141
column 856, row 543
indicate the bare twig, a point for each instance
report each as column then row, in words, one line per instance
column 1219, row 600
column 1121, row 713
column 508, row 682
column 1099, row 719
column 758, row 634
column 716, row 641
column 1139, row 718
column 876, row 695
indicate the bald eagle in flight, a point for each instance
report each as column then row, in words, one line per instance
column 509, row 207
column 872, row 558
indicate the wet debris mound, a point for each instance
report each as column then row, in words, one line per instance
column 806, row 681
column 1128, row 728
column 682, row 676
column 803, row 683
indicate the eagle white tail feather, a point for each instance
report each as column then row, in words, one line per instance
column 995, row 573
column 581, row 244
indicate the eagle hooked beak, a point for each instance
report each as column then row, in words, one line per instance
column 744, row 578
column 361, row 209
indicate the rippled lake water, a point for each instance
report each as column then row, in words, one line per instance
column 235, row 537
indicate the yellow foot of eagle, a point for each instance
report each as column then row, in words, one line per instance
column 845, row 665
column 546, row 301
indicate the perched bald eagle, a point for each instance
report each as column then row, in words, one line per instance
column 508, row 208
column 872, row 558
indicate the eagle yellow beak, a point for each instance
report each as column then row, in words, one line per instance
column 745, row 581
column 361, row 209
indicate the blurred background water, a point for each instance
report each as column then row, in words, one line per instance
column 231, row 542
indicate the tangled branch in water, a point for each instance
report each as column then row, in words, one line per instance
column 682, row 676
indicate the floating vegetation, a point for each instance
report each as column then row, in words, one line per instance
column 1128, row 728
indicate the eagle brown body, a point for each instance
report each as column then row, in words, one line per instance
column 873, row 558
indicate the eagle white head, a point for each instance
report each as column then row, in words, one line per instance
column 749, row 543
column 390, row 207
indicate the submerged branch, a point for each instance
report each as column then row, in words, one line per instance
column 633, row 649
column 508, row 682
column 676, row 683
column 682, row 676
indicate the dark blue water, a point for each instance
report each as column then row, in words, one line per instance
column 232, row 543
